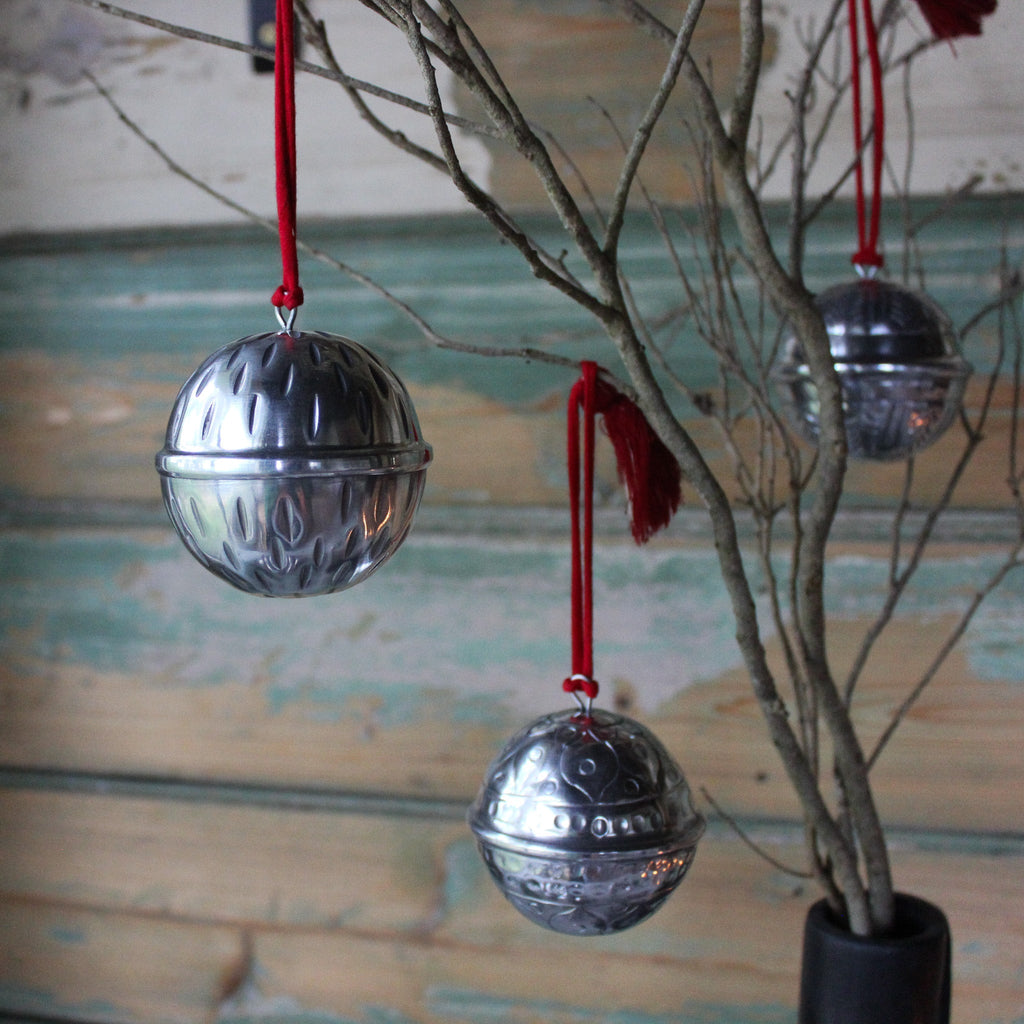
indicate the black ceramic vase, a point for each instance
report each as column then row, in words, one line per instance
column 899, row 978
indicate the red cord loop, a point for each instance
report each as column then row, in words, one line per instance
column 868, row 227
column 283, row 298
column 581, row 684
column 289, row 294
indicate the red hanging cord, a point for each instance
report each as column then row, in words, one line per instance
column 948, row 19
column 289, row 294
column 868, row 229
column 581, row 465
column 653, row 482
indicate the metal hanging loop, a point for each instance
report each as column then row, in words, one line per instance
column 285, row 317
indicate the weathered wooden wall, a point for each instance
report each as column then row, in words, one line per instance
column 219, row 807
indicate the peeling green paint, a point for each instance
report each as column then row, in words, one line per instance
column 110, row 296
column 478, row 625
column 460, row 1004
column 17, row 999
column 68, row 936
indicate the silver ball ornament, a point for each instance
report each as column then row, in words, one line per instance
column 585, row 822
column 902, row 377
column 293, row 463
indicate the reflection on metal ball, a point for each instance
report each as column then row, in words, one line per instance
column 585, row 822
column 895, row 352
column 293, row 463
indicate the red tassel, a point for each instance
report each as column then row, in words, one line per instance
column 949, row 19
column 647, row 469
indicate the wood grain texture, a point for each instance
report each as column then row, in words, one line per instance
column 585, row 76
column 121, row 654
column 405, row 924
column 65, row 963
column 211, row 862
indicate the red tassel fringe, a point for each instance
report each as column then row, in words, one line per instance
column 647, row 469
column 949, row 19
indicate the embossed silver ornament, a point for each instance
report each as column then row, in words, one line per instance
column 902, row 377
column 585, row 822
column 293, row 463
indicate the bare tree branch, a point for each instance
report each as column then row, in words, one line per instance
column 1012, row 561
column 543, row 268
column 774, row 480
column 425, row 328
column 749, row 76
column 332, row 75
column 642, row 135
column 749, row 842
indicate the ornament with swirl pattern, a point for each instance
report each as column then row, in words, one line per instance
column 901, row 375
column 585, row 822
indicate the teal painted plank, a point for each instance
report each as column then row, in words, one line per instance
column 116, row 601
column 462, row 862
column 101, row 332
column 134, row 600
column 120, row 655
column 226, row 794
column 190, row 292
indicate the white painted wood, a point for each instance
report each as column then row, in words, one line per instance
column 66, row 162
column 968, row 118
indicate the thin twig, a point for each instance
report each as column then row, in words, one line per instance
column 316, row 33
column 643, row 132
column 1013, row 561
column 546, row 269
column 748, row 841
column 317, row 70
column 974, row 435
column 433, row 336
column 801, row 102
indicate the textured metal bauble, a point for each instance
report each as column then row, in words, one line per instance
column 585, row 822
column 895, row 352
column 293, row 463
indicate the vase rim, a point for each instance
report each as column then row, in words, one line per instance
column 917, row 921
